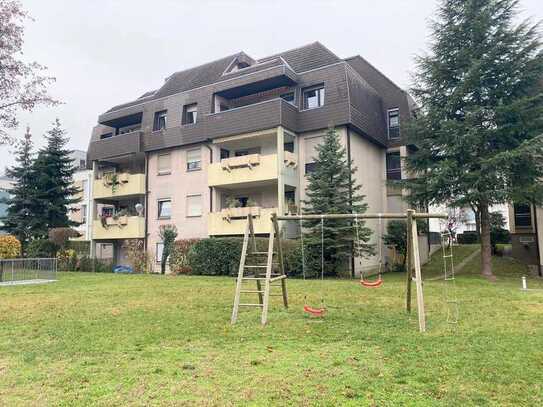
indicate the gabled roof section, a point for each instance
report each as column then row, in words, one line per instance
column 307, row 57
column 241, row 58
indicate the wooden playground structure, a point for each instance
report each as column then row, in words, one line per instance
column 272, row 273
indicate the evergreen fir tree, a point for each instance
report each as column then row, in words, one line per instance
column 55, row 192
column 21, row 220
column 332, row 189
column 481, row 112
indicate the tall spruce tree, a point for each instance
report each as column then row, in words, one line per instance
column 479, row 89
column 55, row 191
column 21, row 220
column 332, row 189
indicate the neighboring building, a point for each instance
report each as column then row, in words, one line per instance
column 526, row 225
column 246, row 130
column 6, row 184
column 83, row 179
column 464, row 218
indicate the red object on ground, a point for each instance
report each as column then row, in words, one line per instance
column 372, row 284
column 318, row 312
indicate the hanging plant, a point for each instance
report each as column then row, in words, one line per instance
column 114, row 178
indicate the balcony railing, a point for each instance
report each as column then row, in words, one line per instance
column 123, row 227
column 244, row 169
column 232, row 221
column 118, row 185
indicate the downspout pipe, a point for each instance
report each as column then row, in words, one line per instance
column 350, row 192
column 209, row 141
column 539, row 271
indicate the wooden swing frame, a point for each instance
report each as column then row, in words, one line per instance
column 413, row 255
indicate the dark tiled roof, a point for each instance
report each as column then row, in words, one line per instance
column 300, row 59
column 308, row 57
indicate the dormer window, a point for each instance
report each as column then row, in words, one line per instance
column 160, row 120
column 313, row 97
column 190, row 113
column 239, row 65
column 394, row 124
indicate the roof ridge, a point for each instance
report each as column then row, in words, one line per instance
column 207, row 63
column 278, row 54
column 376, row 70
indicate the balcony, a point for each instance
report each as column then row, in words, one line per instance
column 122, row 144
column 124, row 227
column 252, row 168
column 232, row 221
column 122, row 185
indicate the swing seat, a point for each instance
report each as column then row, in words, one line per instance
column 372, row 284
column 317, row 312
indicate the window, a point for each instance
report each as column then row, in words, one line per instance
column 159, row 250
column 83, row 213
column 288, row 97
column 82, row 164
column 313, row 97
column 224, row 153
column 289, row 147
column 394, row 124
column 165, row 209
column 310, row 167
column 523, row 215
column 160, row 120
column 394, row 166
column 164, row 164
column 106, row 135
column 129, row 129
column 190, row 113
column 84, row 189
column 194, row 159
column 194, row 205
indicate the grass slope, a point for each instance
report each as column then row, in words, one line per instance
column 153, row 340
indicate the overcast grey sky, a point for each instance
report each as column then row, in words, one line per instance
column 108, row 52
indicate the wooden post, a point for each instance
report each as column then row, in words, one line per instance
column 280, row 259
column 418, row 276
column 408, row 261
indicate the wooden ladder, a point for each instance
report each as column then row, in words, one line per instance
column 271, row 272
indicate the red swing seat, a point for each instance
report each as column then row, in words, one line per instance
column 317, row 312
column 372, row 284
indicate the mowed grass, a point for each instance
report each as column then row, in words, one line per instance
column 109, row 340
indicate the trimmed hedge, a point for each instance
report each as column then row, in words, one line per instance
column 220, row 257
column 42, row 248
column 81, row 247
column 467, row 238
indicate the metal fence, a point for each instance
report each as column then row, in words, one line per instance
column 27, row 271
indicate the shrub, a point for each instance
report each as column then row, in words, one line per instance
column 67, row 260
column 81, row 247
column 136, row 255
column 10, row 247
column 179, row 257
column 60, row 236
column 220, row 256
column 85, row 263
column 42, row 248
column 467, row 238
column 215, row 256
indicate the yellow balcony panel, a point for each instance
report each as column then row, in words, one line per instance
column 244, row 169
column 233, row 221
column 126, row 185
column 125, row 227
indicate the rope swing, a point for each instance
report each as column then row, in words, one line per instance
column 316, row 312
column 363, row 280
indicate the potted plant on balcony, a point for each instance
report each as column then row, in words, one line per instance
column 122, row 217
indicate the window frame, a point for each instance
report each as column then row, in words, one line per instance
column 395, row 112
column 163, row 172
column 187, row 214
column 159, row 208
column 293, row 101
column 157, row 257
column 186, row 112
column 320, row 97
column 156, row 122
column 393, row 171
column 310, row 167
column 526, row 215
column 188, row 168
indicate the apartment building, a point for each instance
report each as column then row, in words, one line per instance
column 526, row 226
column 237, row 136
column 83, row 180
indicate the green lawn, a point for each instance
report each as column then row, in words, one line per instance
column 108, row 340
